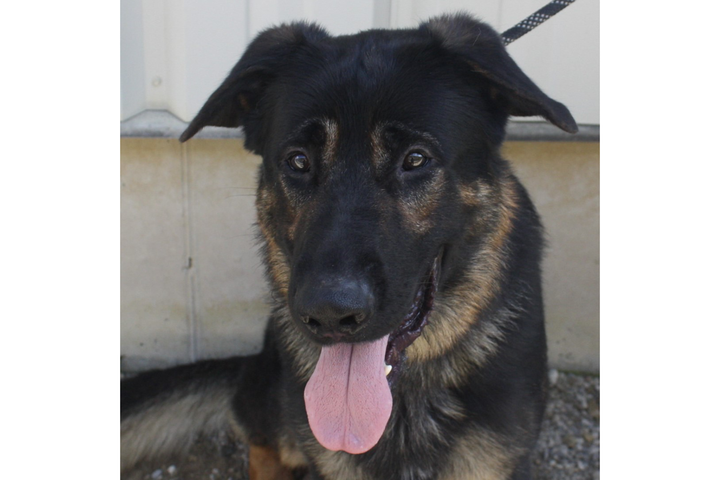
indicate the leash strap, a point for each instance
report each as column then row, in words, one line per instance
column 534, row 20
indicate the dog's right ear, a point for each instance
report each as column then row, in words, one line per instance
column 236, row 99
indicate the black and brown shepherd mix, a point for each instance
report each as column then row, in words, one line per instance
column 407, row 337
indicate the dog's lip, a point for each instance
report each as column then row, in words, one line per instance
column 414, row 321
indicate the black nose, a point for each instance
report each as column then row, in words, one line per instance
column 335, row 308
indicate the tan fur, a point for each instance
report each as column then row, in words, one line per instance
column 480, row 455
column 290, row 454
column 279, row 269
column 171, row 425
column 469, row 195
column 457, row 310
column 264, row 464
column 378, row 154
column 277, row 262
column 418, row 210
column 331, row 141
column 338, row 465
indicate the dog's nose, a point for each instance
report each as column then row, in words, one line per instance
column 335, row 308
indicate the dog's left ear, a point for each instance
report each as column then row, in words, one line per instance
column 482, row 48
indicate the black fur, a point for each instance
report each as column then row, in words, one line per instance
column 351, row 235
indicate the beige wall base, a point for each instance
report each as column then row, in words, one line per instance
column 192, row 282
column 563, row 179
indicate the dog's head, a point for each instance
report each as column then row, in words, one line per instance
column 380, row 159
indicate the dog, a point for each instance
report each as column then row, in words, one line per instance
column 406, row 339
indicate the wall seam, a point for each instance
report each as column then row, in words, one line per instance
column 190, row 286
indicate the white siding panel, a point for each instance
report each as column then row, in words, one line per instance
column 176, row 52
column 342, row 18
column 337, row 17
column 215, row 35
column 267, row 13
column 381, row 13
column 132, row 61
column 408, row 13
column 154, row 45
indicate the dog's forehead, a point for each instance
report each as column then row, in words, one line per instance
column 361, row 83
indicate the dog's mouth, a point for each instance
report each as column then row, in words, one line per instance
column 412, row 325
column 348, row 399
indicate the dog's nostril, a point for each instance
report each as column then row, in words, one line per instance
column 312, row 322
column 349, row 321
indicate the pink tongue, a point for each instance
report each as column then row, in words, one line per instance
column 348, row 398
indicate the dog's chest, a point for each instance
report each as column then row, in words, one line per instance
column 474, row 457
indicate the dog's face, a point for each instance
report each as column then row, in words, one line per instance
column 358, row 168
column 375, row 148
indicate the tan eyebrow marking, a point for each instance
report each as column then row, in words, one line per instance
column 331, row 140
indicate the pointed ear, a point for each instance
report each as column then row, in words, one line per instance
column 235, row 101
column 481, row 47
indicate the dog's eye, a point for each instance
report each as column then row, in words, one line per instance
column 415, row 160
column 299, row 162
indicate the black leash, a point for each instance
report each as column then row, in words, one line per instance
column 512, row 34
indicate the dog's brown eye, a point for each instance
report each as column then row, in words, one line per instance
column 415, row 160
column 299, row 162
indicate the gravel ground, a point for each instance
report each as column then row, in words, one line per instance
column 569, row 443
column 568, row 448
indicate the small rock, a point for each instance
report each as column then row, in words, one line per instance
column 593, row 409
column 172, row 469
column 157, row 474
column 570, row 441
column 588, row 436
column 553, row 376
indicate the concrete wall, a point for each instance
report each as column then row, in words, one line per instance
column 192, row 284
column 564, row 181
